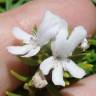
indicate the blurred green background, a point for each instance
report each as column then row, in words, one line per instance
column 9, row 4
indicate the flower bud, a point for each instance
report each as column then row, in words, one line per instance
column 84, row 44
column 39, row 80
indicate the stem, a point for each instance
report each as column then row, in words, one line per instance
column 79, row 54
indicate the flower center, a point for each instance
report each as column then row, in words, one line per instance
column 33, row 42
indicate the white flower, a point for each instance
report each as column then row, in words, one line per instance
column 30, row 48
column 84, row 44
column 48, row 29
column 62, row 47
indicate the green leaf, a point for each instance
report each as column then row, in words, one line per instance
column 92, row 42
column 20, row 2
column 90, row 57
column 12, row 94
column 28, row 84
column 19, row 77
column 2, row 9
column 2, row 1
column 94, row 1
column 29, row 87
column 86, row 67
column 8, row 4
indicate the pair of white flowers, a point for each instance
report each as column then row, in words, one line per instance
column 54, row 29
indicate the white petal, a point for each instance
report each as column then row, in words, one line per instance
column 74, row 69
column 50, row 26
column 57, row 75
column 19, row 50
column 21, row 35
column 32, row 52
column 76, row 37
column 47, row 65
column 60, row 45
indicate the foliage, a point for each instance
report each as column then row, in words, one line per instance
column 9, row 4
column 94, row 2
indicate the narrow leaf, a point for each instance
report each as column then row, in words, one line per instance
column 19, row 77
column 12, row 94
column 8, row 4
column 20, row 2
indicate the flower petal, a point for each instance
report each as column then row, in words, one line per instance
column 32, row 52
column 21, row 35
column 59, row 46
column 19, row 50
column 47, row 65
column 62, row 47
column 57, row 75
column 74, row 69
column 50, row 26
column 76, row 37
